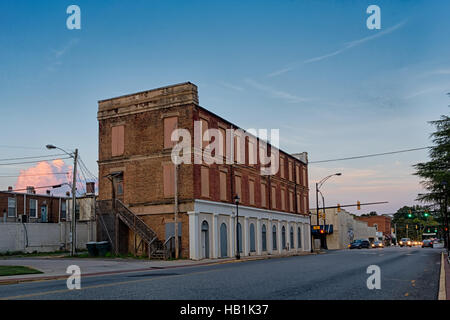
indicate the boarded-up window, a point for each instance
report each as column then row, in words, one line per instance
column 204, row 135
column 282, row 167
column 291, row 201
column 304, row 177
column 223, row 150
column 305, row 204
column 299, row 204
column 205, row 181
column 238, row 186
column 252, row 152
column 283, row 199
column 168, row 181
column 223, row 185
column 170, row 124
column 263, row 195
column 274, row 197
column 291, row 178
column 251, row 187
column 117, row 140
column 297, row 174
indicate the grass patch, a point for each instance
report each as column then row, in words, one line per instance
column 16, row 270
column 21, row 254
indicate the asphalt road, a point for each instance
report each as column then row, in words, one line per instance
column 406, row 273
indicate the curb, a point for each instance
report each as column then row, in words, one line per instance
column 442, row 287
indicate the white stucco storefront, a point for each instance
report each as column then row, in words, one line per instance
column 212, row 231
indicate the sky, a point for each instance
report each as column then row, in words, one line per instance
column 312, row 69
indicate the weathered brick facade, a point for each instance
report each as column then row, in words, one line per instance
column 140, row 154
column 383, row 223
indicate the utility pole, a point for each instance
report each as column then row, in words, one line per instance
column 176, row 212
column 74, row 204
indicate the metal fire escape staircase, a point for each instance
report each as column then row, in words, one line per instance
column 156, row 249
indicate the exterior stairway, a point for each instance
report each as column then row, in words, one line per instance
column 157, row 249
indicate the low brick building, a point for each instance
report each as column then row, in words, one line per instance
column 382, row 223
column 35, row 207
column 135, row 167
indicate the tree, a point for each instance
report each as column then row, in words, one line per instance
column 436, row 172
column 412, row 217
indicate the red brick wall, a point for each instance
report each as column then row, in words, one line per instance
column 383, row 222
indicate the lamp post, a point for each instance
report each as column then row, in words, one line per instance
column 318, row 185
column 236, row 201
column 74, row 196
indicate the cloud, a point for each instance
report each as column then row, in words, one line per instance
column 346, row 47
column 231, row 86
column 288, row 97
column 59, row 53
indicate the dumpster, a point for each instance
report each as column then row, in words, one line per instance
column 103, row 248
column 92, row 248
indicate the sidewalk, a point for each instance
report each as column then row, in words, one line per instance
column 55, row 268
column 447, row 276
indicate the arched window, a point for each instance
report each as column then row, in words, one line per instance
column 205, row 239
column 291, row 244
column 252, row 238
column 283, row 238
column 239, row 229
column 264, row 237
column 223, row 241
column 299, row 235
column 274, row 238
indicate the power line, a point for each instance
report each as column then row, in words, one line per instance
column 35, row 157
column 370, row 155
column 33, row 175
column 26, row 162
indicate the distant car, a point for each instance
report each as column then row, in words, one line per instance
column 377, row 244
column 405, row 242
column 427, row 243
column 359, row 244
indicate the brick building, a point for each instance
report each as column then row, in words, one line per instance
column 135, row 167
column 381, row 223
column 35, row 207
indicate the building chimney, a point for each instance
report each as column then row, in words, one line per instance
column 10, row 189
column 90, row 188
column 30, row 189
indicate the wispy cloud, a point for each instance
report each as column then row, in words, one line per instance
column 288, row 97
column 231, row 86
column 346, row 47
column 59, row 53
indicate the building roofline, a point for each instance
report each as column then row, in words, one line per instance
column 144, row 91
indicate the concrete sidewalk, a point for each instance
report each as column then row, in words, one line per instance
column 55, row 268
column 447, row 275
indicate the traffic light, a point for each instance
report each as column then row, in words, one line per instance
column 409, row 213
column 358, row 205
column 426, row 214
column 338, row 208
column 416, row 227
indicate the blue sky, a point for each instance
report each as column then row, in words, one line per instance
column 312, row 69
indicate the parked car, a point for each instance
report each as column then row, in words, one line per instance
column 405, row 242
column 427, row 243
column 377, row 244
column 359, row 244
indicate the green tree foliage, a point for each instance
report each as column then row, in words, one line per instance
column 418, row 218
column 436, row 172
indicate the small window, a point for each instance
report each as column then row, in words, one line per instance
column 168, row 180
column 205, row 181
column 283, row 199
column 274, row 197
column 238, row 186
column 291, row 245
column 264, row 237
column 263, row 195
column 63, row 209
column 170, row 124
column 274, row 238
column 117, row 140
column 282, row 169
column 283, row 238
column 251, row 187
column 299, row 235
column 33, row 208
column 223, row 185
column 11, row 207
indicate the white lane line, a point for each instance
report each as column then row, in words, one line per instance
column 442, row 295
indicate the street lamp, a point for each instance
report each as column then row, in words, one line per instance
column 74, row 196
column 318, row 185
column 236, row 201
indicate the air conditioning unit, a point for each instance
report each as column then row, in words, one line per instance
column 22, row 218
